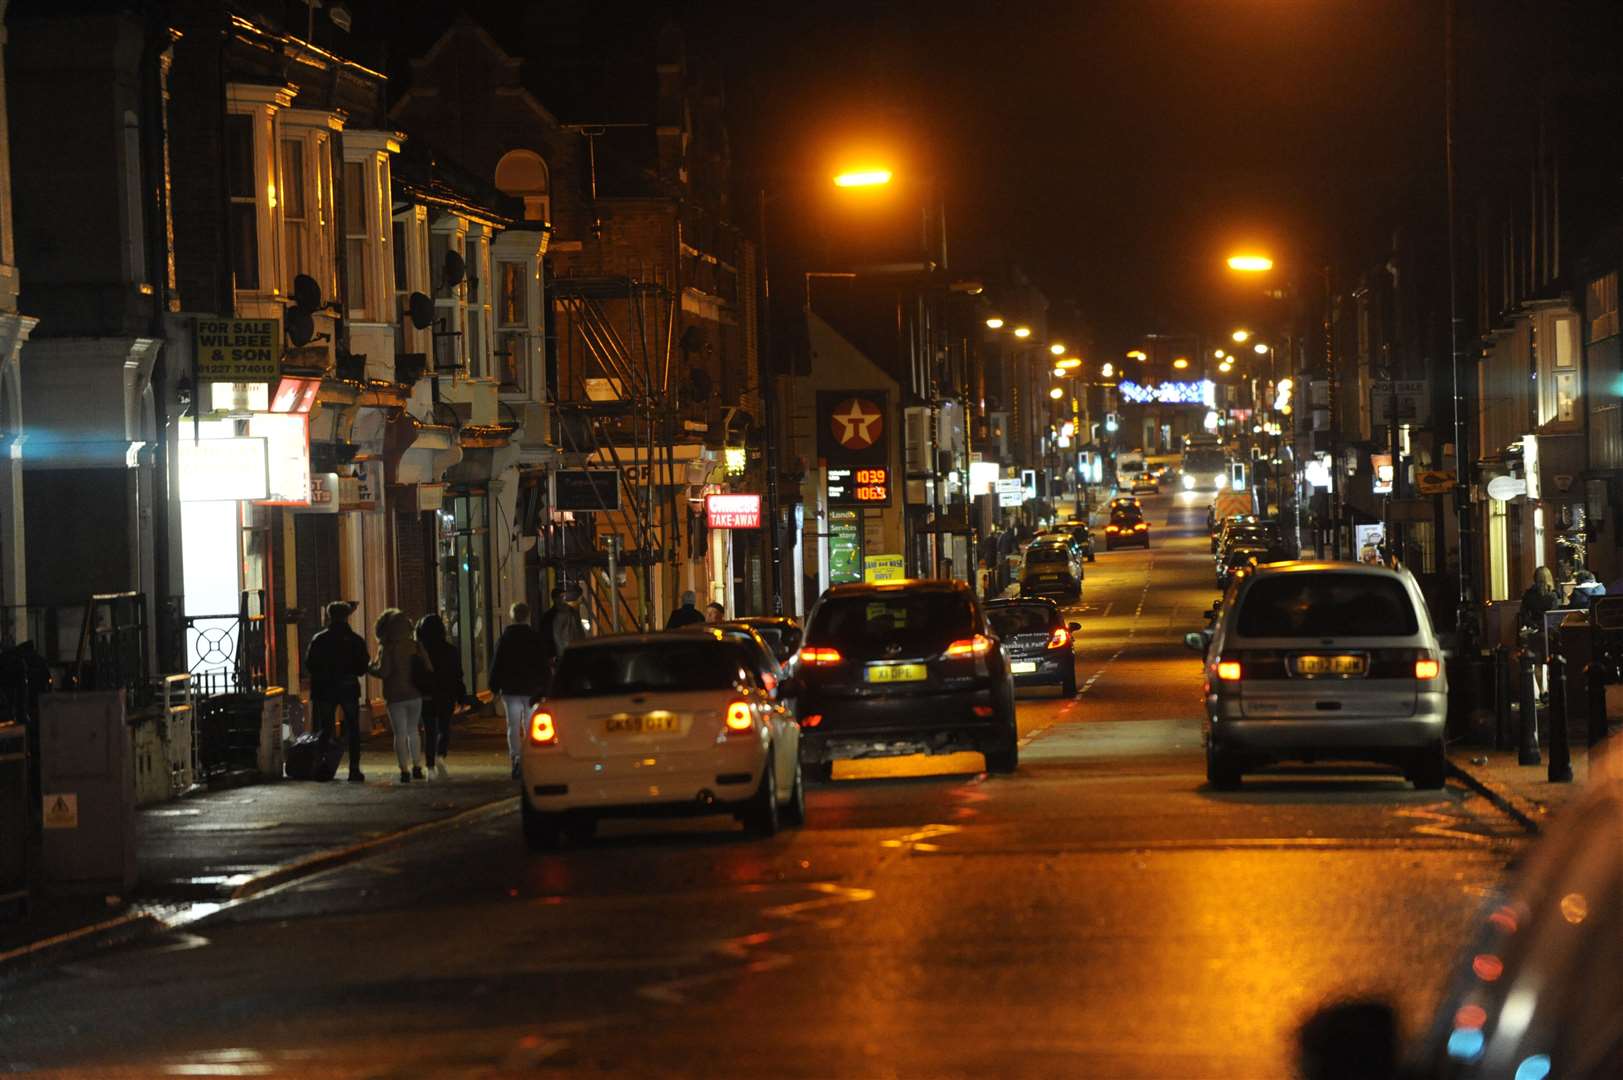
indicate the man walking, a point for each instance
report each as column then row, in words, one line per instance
column 517, row 675
column 686, row 615
column 336, row 660
column 560, row 625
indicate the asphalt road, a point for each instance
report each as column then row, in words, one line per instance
column 1101, row 913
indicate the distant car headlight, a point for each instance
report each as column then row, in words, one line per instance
column 1222, row 481
column 1188, row 483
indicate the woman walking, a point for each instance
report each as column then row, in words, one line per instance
column 405, row 672
column 449, row 689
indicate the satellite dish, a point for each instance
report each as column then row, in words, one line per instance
column 299, row 326
column 420, row 310
column 306, row 293
column 455, row 270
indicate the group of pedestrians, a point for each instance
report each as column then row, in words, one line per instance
column 422, row 681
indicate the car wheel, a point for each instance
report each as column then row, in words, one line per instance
column 761, row 815
column 541, row 830
column 1004, row 757
column 1068, row 687
column 794, row 811
column 1222, row 771
column 1427, row 769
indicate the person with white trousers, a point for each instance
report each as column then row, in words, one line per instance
column 404, row 667
column 518, row 672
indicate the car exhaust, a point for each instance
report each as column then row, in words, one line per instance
column 706, row 797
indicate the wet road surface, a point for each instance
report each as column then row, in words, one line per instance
column 1099, row 913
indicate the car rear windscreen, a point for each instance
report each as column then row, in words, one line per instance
column 1057, row 556
column 1326, row 605
column 1021, row 619
column 915, row 622
column 666, row 667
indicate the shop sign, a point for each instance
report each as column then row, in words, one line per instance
column 238, row 350
column 859, row 487
column 363, row 490
column 222, row 470
column 326, row 493
column 287, row 454
column 884, row 568
column 1505, row 488
column 732, row 511
column 853, row 429
column 1434, row 481
column 585, row 490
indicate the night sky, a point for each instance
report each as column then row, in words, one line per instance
column 1115, row 150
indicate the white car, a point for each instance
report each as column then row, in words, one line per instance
column 649, row 725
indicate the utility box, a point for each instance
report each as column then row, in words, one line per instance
column 87, row 793
column 16, row 820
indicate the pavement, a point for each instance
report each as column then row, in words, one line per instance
column 198, row 854
column 1525, row 792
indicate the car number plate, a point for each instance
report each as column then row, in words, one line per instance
column 655, row 724
column 889, row 673
column 1023, row 667
column 1331, row 665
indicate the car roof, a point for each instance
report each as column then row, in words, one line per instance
column 882, row 588
column 1319, row 566
column 657, row 637
column 788, row 621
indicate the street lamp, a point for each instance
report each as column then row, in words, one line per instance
column 1138, row 354
column 1220, row 354
column 1241, row 336
column 1022, row 332
column 1251, row 263
column 994, row 323
column 1057, row 349
column 1056, row 393
column 863, row 178
column 1260, row 349
column 1069, row 362
column 1181, row 362
column 1107, row 371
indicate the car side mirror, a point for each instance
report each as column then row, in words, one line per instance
column 1195, row 640
column 1073, row 627
column 1353, row 1038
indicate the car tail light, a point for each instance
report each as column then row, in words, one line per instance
column 820, row 657
column 1140, row 525
column 1427, row 668
column 811, row 721
column 1228, row 670
column 964, row 648
column 543, row 732
column 1112, row 528
column 1061, row 638
column 983, row 711
column 739, row 718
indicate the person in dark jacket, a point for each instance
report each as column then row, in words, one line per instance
column 686, row 615
column 449, row 690
column 336, row 660
column 518, row 673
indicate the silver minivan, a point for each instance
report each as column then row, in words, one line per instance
column 1317, row 661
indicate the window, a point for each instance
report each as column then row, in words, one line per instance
column 511, row 320
column 356, row 214
column 477, row 293
column 239, row 155
column 295, row 213
column 669, row 667
column 1555, row 344
column 1327, row 605
column 1602, row 307
column 523, row 175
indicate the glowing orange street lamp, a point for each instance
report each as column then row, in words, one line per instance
column 863, row 178
column 1022, row 331
column 1138, row 354
column 1069, row 362
column 1181, row 362
column 1250, row 263
column 1056, row 393
column 1241, row 336
column 1057, row 349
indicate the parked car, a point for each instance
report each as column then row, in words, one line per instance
column 1081, row 536
column 903, row 668
column 1534, row 992
column 1051, row 568
column 1324, row 660
column 1146, row 483
column 754, row 643
column 1127, row 527
column 1232, row 521
column 1042, row 651
column 781, row 633
column 642, row 725
column 1238, row 559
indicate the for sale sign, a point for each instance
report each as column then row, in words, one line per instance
column 732, row 511
column 238, row 350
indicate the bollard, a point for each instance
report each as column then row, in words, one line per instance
column 1560, row 752
column 1527, row 747
column 1501, row 698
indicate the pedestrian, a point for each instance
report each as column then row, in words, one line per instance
column 560, row 626
column 686, row 615
column 518, row 674
column 407, row 678
column 1585, row 590
column 449, row 690
column 1541, row 597
column 714, row 613
column 336, row 659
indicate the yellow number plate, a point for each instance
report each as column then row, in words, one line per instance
column 888, row 673
column 653, row 724
column 1331, row 665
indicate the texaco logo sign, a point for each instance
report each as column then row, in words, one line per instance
column 857, row 424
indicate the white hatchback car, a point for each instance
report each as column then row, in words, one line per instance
column 649, row 725
column 1324, row 661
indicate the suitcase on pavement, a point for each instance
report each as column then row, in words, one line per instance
column 312, row 757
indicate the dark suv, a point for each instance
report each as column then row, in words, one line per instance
column 902, row 668
column 1127, row 526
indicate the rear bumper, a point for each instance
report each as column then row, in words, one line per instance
column 1325, row 735
column 877, row 726
column 1051, row 670
column 1051, row 588
column 708, row 781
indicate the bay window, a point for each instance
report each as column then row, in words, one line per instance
column 253, row 187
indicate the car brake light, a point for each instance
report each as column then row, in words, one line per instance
column 1228, row 670
column 543, row 732
column 1112, row 528
column 1061, row 638
column 739, row 717
column 1426, row 668
column 820, row 656
column 811, row 721
column 979, row 645
column 1141, row 525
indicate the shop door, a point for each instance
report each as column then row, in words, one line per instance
column 319, row 579
column 464, row 581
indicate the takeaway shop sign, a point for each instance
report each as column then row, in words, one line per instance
column 238, row 350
